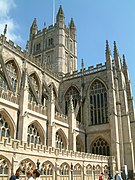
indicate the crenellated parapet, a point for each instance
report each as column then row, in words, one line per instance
column 37, row 108
column 16, row 48
column 61, row 117
column 91, row 69
column 12, row 145
column 9, row 95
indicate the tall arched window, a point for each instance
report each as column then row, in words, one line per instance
column 4, row 127
column 12, row 72
column 33, row 135
column 101, row 147
column 75, row 95
column 98, row 104
column 60, row 140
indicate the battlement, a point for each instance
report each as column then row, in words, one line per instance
column 17, row 146
column 90, row 70
column 9, row 95
column 37, row 108
column 10, row 44
column 61, row 117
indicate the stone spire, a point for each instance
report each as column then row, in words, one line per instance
column 60, row 14
column 34, row 28
column 72, row 24
column 108, row 56
column 117, row 57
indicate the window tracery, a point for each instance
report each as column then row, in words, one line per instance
column 64, row 169
column 33, row 135
column 101, row 147
column 4, row 167
column 12, row 72
column 59, row 140
column 98, row 104
column 47, row 169
column 77, row 170
column 4, row 127
column 75, row 95
column 26, row 165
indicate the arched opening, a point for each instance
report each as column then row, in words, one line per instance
column 101, row 147
column 35, row 134
column 47, row 168
column 60, row 140
column 12, row 71
column 76, row 99
column 98, row 103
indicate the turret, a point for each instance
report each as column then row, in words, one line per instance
column 33, row 29
column 108, row 57
column 60, row 19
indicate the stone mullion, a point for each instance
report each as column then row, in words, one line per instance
column 97, row 109
column 93, row 110
column 100, row 108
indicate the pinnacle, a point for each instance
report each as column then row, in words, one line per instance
column 124, row 61
column 115, row 49
column 60, row 12
column 108, row 52
column 72, row 24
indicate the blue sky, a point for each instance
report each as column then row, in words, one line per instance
column 96, row 21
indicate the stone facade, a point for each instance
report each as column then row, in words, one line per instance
column 68, row 123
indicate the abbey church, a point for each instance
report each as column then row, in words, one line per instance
column 69, row 124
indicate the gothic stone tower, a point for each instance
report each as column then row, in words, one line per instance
column 55, row 47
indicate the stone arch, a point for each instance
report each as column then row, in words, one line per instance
column 16, row 64
column 79, row 143
column 75, row 92
column 61, row 139
column 100, row 146
column 5, row 166
column 64, row 169
column 26, row 165
column 98, row 79
column 89, row 169
column 74, row 86
column 54, row 89
column 9, row 120
column 14, row 76
column 36, row 76
column 47, row 168
column 77, row 169
column 40, row 131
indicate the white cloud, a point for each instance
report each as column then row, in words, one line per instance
column 5, row 7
